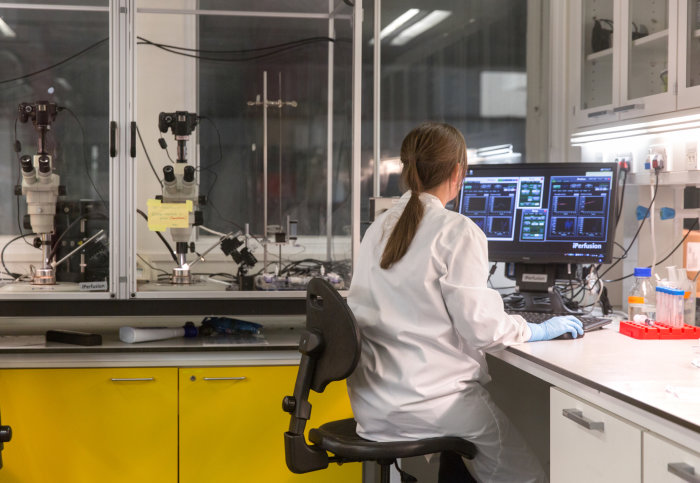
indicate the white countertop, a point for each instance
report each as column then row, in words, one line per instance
column 656, row 375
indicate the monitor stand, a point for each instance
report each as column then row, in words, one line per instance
column 535, row 284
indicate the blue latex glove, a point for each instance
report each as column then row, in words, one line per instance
column 554, row 327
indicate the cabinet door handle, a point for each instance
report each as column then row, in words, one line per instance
column 132, row 148
column 628, row 107
column 684, row 471
column 577, row 416
column 224, row 378
column 132, row 379
column 598, row 113
column 113, row 139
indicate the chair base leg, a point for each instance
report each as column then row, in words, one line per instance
column 385, row 473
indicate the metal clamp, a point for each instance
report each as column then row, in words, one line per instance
column 577, row 416
column 684, row 471
column 132, row 379
column 224, row 378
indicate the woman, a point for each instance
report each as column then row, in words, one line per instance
column 426, row 316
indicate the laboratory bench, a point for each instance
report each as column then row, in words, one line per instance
column 176, row 410
column 209, row 409
column 620, row 409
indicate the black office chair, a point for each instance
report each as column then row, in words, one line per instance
column 330, row 350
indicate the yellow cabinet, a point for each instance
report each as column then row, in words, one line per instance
column 232, row 425
column 88, row 425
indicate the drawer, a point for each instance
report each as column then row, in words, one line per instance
column 589, row 444
column 665, row 461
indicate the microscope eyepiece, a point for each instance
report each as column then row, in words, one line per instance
column 44, row 164
column 26, row 163
column 169, row 174
column 189, row 174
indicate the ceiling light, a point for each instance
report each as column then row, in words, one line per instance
column 400, row 20
column 5, row 29
column 426, row 23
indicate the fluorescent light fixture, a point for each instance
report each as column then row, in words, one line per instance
column 398, row 22
column 495, row 150
column 638, row 129
column 426, row 23
column 5, row 29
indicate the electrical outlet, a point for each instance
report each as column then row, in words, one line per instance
column 658, row 158
column 691, row 155
column 624, row 161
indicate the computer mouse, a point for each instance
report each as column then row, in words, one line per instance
column 568, row 336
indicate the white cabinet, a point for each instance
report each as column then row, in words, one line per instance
column 688, row 54
column 664, row 461
column 624, row 59
column 589, row 444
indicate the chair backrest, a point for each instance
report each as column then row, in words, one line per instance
column 328, row 314
column 330, row 349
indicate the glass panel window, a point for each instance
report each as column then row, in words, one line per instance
column 54, row 103
column 269, row 84
column 597, row 58
column 693, row 60
column 648, row 59
column 463, row 63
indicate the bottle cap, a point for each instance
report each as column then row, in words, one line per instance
column 642, row 272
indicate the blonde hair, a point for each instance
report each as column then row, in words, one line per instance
column 429, row 154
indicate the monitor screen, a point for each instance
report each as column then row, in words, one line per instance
column 543, row 213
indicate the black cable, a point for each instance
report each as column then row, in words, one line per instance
column 87, row 168
column 54, row 247
column 246, row 59
column 160, row 235
column 243, row 51
column 164, row 145
column 2, row 255
column 634, row 238
column 622, row 199
column 695, row 223
column 143, row 145
column 26, row 76
column 221, row 157
column 649, row 212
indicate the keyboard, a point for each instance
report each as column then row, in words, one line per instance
column 590, row 322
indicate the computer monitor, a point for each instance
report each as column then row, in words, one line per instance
column 543, row 216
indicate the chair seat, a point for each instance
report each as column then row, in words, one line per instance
column 341, row 439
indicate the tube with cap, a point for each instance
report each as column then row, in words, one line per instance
column 131, row 335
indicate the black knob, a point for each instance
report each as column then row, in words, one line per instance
column 5, row 434
column 61, row 190
column 169, row 174
column 36, row 242
column 189, row 174
column 289, row 404
column 198, row 218
column 26, row 162
column 44, row 164
column 192, row 247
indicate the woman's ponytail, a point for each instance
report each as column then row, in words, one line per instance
column 429, row 154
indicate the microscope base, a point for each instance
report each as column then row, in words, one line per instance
column 28, row 287
column 195, row 286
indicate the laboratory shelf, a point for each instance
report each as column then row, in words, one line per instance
column 658, row 331
column 602, row 54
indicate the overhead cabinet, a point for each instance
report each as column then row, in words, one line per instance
column 624, row 62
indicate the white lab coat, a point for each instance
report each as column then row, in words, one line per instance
column 425, row 324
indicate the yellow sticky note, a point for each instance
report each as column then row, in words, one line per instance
column 162, row 216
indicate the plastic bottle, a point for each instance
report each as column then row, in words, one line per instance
column 689, row 301
column 641, row 298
